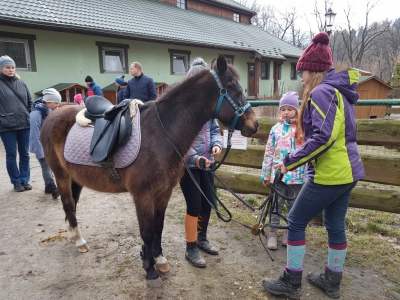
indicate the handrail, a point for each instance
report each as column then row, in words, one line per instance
column 372, row 102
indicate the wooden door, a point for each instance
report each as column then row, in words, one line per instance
column 251, row 80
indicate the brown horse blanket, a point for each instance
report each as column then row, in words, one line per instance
column 77, row 145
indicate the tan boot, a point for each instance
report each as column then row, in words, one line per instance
column 284, row 239
column 272, row 243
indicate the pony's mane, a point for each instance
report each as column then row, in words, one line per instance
column 178, row 87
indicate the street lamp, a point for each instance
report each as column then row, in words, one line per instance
column 329, row 18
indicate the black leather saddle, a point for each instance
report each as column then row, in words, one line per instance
column 112, row 126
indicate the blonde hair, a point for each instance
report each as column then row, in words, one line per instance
column 298, row 135
column 313, row 81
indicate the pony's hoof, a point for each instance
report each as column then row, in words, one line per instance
column 154, row 283
column 162, row 264
column 73, row 240
column 163, row 268
column 83, row 249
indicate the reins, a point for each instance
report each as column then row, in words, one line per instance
column 267, row 207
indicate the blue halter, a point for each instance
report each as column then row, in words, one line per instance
column 223, row 93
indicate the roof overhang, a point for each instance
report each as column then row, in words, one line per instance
column 114, row 34
column 373, row 77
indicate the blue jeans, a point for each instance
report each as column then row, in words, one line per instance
column 13, row 140
column 314, row 198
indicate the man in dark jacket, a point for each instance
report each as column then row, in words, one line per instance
column 15, row 106
column 140, row 86
column 93, row 88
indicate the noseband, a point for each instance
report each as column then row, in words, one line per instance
column 223, row 93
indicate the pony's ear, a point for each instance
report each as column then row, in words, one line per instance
column 221, row 65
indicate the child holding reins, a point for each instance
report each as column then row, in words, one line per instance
column 284, row 138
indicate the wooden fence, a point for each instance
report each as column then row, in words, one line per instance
column 378, row 168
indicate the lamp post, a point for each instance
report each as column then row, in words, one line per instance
column 329, row 18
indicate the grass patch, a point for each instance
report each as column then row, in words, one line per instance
column 371, row 235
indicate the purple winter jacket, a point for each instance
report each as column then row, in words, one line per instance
column 330, row 132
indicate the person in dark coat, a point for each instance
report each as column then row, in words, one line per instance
column 15, row 106
column 140, row 86
column 93, row 88
column 121, row 86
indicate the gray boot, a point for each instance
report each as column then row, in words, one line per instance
column 272, row 242
column 289, row 284
column 284, row 238
column 193, row 255
column 328, row 282
column 205, row 245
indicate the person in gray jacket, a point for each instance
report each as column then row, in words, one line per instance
column 41, row 108
column 207, row 145
column 15, row 106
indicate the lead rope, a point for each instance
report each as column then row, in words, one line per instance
column 219, row 214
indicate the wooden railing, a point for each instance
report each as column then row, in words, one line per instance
column 378, row 168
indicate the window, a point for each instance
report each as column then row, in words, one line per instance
column 265, row 70
column 181, row 4
column 113, row 58
column 293, row 73
column 236, row 17
column 279, row 71
column 20, row 48
column 179, row 61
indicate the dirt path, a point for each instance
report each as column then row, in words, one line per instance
column 37, row 261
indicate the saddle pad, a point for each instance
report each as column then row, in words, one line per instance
column 77, row 146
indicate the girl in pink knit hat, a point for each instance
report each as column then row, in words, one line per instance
column 327, row 121
column 78, row 99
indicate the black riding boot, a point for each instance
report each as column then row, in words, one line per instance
column 51, row 188
column 193, row 255
column 289, row 284
column 328, row 282
column 202, row 241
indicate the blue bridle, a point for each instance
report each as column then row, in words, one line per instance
column 223, row 93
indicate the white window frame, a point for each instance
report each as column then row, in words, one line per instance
column 122, row 52
column 181, row 4
column 122, row 48
column 179, row 53
column 27, row 54
column 236, row 17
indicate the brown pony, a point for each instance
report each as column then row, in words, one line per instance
column 150, row 179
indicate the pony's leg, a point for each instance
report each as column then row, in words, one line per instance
column 145, row 214
column 162, row 264
column 65, row 187
column 77, row 235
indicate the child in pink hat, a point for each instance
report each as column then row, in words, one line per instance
column 78, row 99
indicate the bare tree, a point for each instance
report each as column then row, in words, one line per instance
column 320, row 14
column 359, row 41
column 285, row 21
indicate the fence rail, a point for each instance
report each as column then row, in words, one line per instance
column 372, row 102
column 378, row 168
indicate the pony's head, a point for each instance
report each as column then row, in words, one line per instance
column 243, row 118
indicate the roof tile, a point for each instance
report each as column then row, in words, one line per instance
column 149, row 18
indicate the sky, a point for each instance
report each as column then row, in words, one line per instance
column 383, row 9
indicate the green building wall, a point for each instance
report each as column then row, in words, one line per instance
column 68, row 58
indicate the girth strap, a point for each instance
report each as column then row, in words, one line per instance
column 112, row 173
